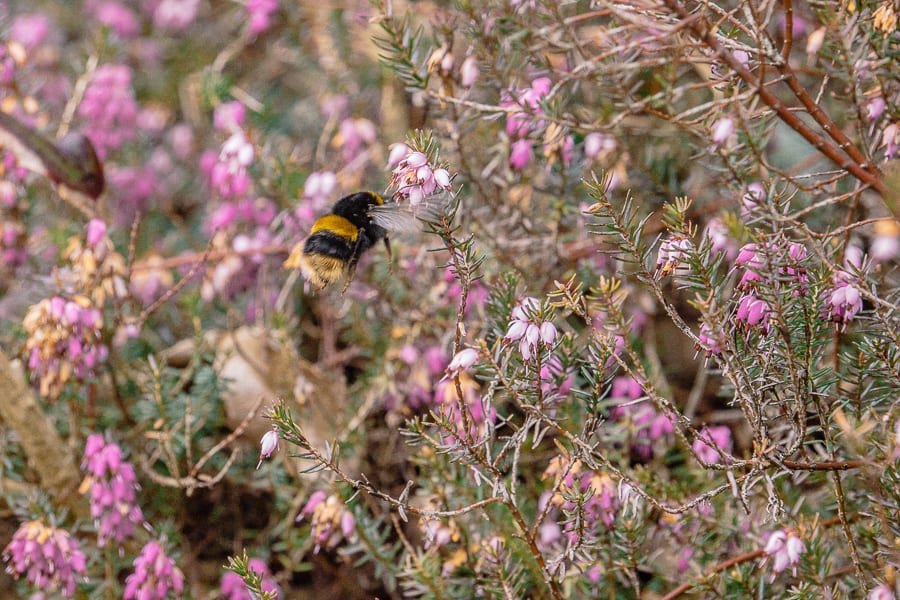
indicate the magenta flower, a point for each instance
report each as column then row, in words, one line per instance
column 843, row 301
column 155, row 575
column 260, row 12
column 64, row 342
column 229, row 117
column 119, row 18
column 520, row 154
column 30, row 30
column 753, row 311
column 49, row 558
column 786, row 548
column 234, row 588
column 109, row 109
column 113, row 485
column 710, row 342
column 719, row 435
column 330, row 520
column 519, row 122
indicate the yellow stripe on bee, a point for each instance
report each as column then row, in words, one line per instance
column 337, row 225
column 378, row 199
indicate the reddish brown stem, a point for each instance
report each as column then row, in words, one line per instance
column 867, row 174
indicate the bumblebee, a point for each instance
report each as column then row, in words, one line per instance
column 356, row 223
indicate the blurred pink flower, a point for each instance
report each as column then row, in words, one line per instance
column 786, row 548
column 260, row 14
column 720, row 435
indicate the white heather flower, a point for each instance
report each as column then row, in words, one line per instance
column 468, row 72
column 268, row 444
column 463, row 359
column 722, row 130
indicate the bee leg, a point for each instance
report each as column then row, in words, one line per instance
column 387, row 246
column 351, row 264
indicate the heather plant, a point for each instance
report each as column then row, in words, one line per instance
column 646, row 346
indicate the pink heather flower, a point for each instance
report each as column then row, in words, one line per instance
column 112, row 484
column 229, row 116
column 415, row 179
column 330, row 520
column 354, row 135
column 528, row 330
column 721, row 241
column 722, row 130
column 260, row 14
column 786, row 547
column 672, row 254
column 109, row 109
column 520, row 154
column 468, row 72
column 890, row 140
column 268, row 444
column 30, row 30
column 710, row 342
column 885, row 246
column 234, row 588
column 626, row 387
column 518, row 122
column 462, row 360
column 119, row 18
column 49, row 558
column 320, row 187
column 155, row 576
column 64, row 342
column 881, row 592
column 397, row 153
column 720, row 435
column 753, row 311
column 597, row 144
column 755, row 194
column 228, row 175
column 842, row 302
column 96, row 233
column 175, row 15
column 875, row 108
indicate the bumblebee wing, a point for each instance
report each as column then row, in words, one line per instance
column 405, row 218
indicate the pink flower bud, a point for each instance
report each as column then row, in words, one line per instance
column 268, row 444
column 468, row 72
column 722, row 130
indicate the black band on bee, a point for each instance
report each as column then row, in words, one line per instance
column 331, row 244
